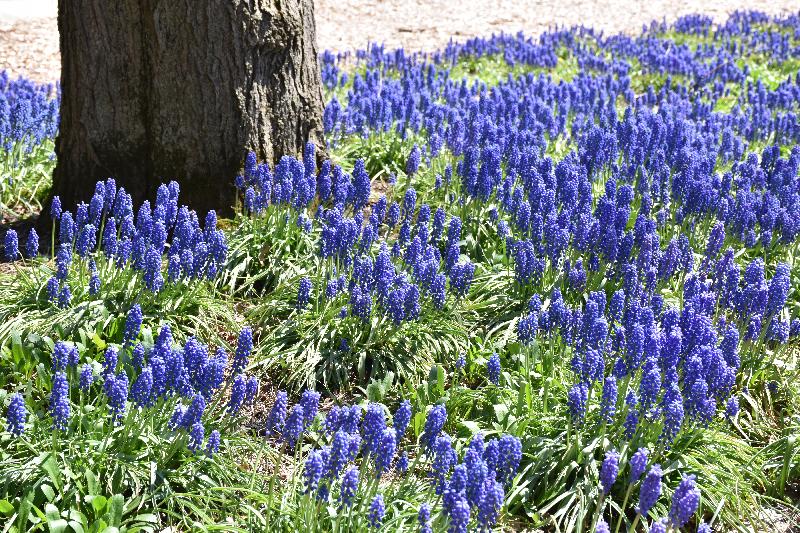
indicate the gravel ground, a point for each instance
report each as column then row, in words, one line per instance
column 29, row 36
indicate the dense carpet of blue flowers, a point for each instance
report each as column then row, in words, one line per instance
column 659, row 195
column 629, row 204
column 28, row 113
column 395, row 288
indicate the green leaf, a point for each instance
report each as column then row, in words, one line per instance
column 471, row 426
column 522, row 402
column 57, row 526
column 500, row 412
column 117, row 503
column 375, row 391
column 51, row 512
column 17, row 352
column 436, row 378
column 6, row 508
column 98, row 503
column 24, row 511
column 419, row 423
column 91, row 482
column 75, row 515
column 51, row 468
column 48, row 492
column 98, row 342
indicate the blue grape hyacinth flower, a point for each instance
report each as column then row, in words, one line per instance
column 32, row 244
column 17, row 415
column 243, row 348
column 11, row 245
column 414, row 158
column 303, row 292
column 685, row 501
column 609, row 470
column 650, row 490
column 349, row 486
column 59, row 401
column 133, row 324
column 494, row 369
column 213, row 442
column 402, row 418
column 377, row 510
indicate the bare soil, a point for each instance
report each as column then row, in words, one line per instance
column 29, row 34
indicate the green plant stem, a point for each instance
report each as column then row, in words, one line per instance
column 632, row 529
column 624, row 506
column 598, row 510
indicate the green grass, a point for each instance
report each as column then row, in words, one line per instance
column 192, row 309
column 492, row 69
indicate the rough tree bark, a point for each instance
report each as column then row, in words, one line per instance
column 156, row 90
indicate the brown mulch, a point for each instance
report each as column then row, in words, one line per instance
column 30, row 45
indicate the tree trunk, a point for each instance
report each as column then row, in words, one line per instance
column 182, row 89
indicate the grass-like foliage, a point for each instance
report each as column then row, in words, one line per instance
column 541, row 283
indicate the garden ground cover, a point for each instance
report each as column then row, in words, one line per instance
column 541, row 283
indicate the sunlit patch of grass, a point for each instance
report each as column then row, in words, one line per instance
column 384, row 153
column 195, row 309
column 726, row 102
column 692, row 40
column 490, row 69
column 566, row 68
column 493, row 69
column 642, row 79
column 768, row 72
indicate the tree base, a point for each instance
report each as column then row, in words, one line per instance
column 155, row 91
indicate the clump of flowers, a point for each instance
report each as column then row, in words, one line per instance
column 109, row 231
column 361, row 443
column 165, row 377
